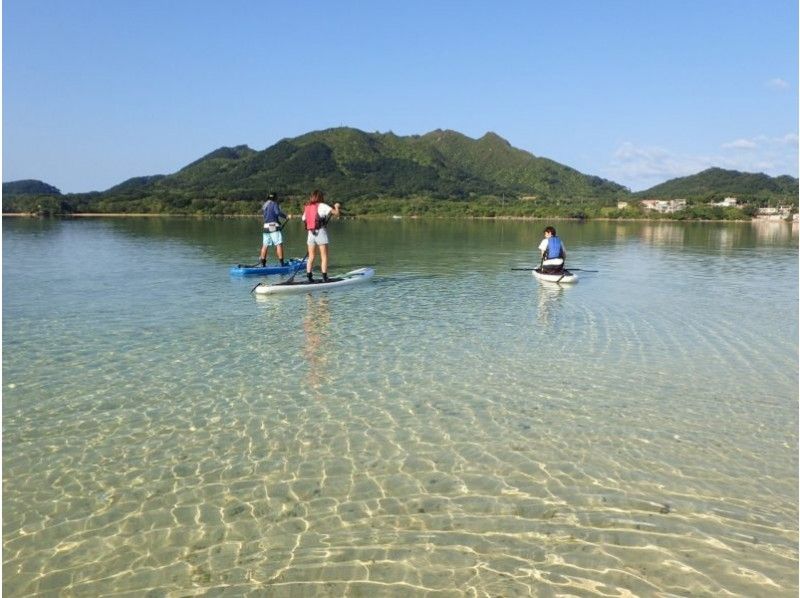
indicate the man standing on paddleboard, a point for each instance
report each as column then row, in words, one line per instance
column 272, row 228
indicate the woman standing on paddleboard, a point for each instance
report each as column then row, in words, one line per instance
column 316, row 215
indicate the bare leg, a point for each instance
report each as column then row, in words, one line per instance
column 279, row 251
column 310, row 262
column 323, row 258
column 263, row 255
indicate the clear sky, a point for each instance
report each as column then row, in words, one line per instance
column 636, row 91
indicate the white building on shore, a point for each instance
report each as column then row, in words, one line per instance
column 664, row 206
column 728, row 202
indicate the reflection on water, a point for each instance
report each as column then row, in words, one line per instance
column 663, row 234
column 316, row 324
column 550, row 296
column 724, row 238
column 702, row 236
column 773, row 232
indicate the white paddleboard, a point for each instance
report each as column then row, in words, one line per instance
column 302, row 285
column 564, row 277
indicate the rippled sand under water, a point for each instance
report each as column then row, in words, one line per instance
column 537, row 441
column 413, row 495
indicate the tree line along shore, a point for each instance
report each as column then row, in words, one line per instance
column 442, row 173
column 497, row 208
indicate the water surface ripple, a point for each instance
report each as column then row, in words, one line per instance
column 454, row 428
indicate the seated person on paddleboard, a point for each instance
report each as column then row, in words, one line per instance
column 272, row 229
column 553, row 251
column 316, row 215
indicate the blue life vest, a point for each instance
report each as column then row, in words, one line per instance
column 554, row 248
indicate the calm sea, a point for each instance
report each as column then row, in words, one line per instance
column 452, row 428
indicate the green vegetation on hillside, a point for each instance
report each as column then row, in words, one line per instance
column 29, row 187
column 714, row 184
column 440, row 173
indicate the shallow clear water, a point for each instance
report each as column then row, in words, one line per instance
column 451, row 428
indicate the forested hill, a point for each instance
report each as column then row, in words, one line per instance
column 29, row 187
column 348, row 163
column 351, row 164
column 442, row 164
column 384, row 172
column 717, row 183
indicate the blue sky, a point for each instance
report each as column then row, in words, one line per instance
column 638, row 92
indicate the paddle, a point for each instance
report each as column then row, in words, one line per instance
column 568, row 268
column 289, row 280
column 258, row 265
column 287, row 264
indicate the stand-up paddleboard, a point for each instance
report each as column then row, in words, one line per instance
column 302, row 285
column 293, row 265
column 565, row 276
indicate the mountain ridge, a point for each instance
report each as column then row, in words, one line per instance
column 715, row 181
column 443, row 164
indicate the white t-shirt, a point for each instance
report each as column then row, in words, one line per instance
column 324, row 210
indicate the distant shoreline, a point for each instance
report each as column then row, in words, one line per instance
column 84, row 215
column 381, row 217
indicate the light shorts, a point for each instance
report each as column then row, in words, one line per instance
column 318, row 238
column 275, row 238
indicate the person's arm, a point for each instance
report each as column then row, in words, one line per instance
column 281, row 215
column 327, row 212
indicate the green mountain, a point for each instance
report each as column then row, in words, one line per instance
column 29, row 187
column 348, row 163
column 717, row 183
column 384, row 172
column 134, row 185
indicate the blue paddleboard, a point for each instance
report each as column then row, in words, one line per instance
column 293, row 265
